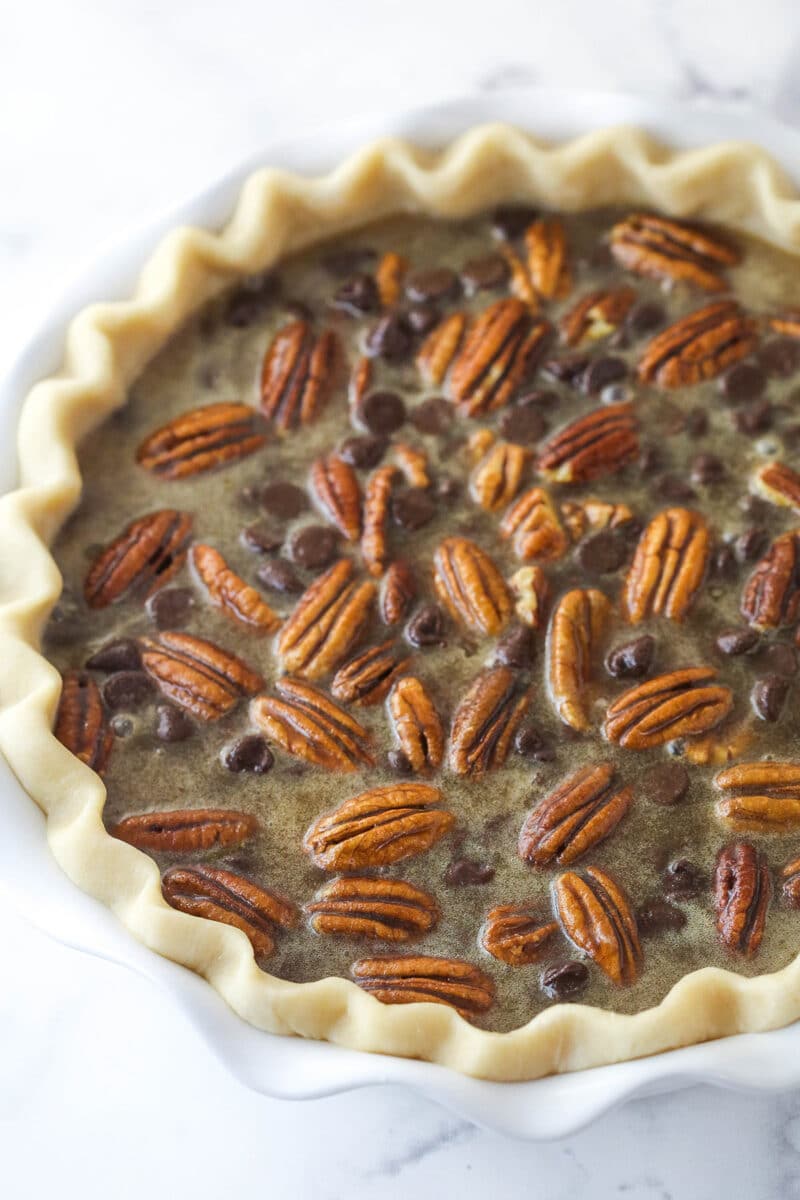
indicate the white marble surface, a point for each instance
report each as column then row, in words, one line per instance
column 109, row 112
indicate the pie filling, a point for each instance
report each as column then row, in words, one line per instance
column 430, row 611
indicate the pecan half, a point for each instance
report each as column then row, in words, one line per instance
column 378, row 827
column 516, row 934
column 470, row 586
column 413, row 980
column 668, row 566
column 360, row 382
column 534, row 527
column 546, row 246
column 677, row 704
column 576, row 627
column 326, row 623
column 185, row 829
column 305, row 723
column 519, row 278
column 374, row 540
column 788, row 323
column 416, row 724
column 599, row 442
column 222, row 896
column 367, row 678
column 596, row 315
column 201, row 440
column 440, row 347
column 390, row 909
column 663, row 249
column 230, row 592
column 698, row 346
column 335, row 486
column 596, row 915
column 771, row 596
column 742, row 892
column 80, row 722
column 760, row 797
column 531, row 592
column 299, row 374
column 198, row 675
column 144, row 556
column 496, row 356
column 497, row 478
column 389, row 277
column 583, row 810
column 486, row 720
column 594, row 514
column 413, row 462
column 399, row 592
column 779, row 484
column 791, row 883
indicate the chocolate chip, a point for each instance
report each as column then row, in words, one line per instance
column 279, row 577
column 261, row 537
column 696, row 424
column 659, row 916
column 313, row 546
column 601, row 372
column 399, row 762
column 172, row 724
column 382, row 412
column 251, row 753
column 671, row 487
column 515, row 648
column 426, row 627
column 780, row 356
column 284, row 500
column 750, row 544
column 743, row 382
column 602, row 553
column 529, row 743
column 633, row 659
column 170, row 608
column 649, row 460
column 754, row 418
column 537, row 398
column 484, row 274
column 706, row 469
column 522, row 425
column 434, row 415
column 390, row 338
column 349, row 260
column 780, row 659
column 121, row 654
column 413, row 508
column 249, row 302
column 723, row 562
column 567, row 369
column 755, row 509
column 465, row 872
column 357, row 296
column 421, row 318
column 737, row 641
column 682, row 880
column 769, row 696
column 644, row 317
column 363, row 452
column 511, row 220
column 448, row 489
column 563, row 981
column 666, row 784
column 125, row 691
column 432, row 285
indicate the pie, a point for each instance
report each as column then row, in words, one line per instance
column 424, row 672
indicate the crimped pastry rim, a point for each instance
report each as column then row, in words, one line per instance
column 107, row 346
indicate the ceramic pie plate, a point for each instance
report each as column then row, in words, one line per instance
column 289, row 1066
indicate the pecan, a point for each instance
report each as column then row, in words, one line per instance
column 520, row 282
column 479, row 444
column 664, row 249
column 771, row 596
column 198, row 675
column 576, row 626
column 416, row 724
column 677, row 704
column 335, row 485
column 326, row 622
column 145, row 555
column 201, row 440
column 596, row 315
column 230, row 592
column 760, row 797
column 496, row 479
column 374, row 542
column 531, row 592
column 534, row 527
column 719, row 746
column 546, row 245
column 779, row 484
column 599, row 442
column 378, row 827
column 367, row 678
column 470, row 586
column 698, row 346
column 437, row 352
column 80, row 722
column 413, row 462
column 360, row 381
column 497, row 355
column 516, row 934
column 186, row 829
column 742, row 892
column 486, row 720
column 596, row 915
column 791, row 883
column 413, row 980
column 583, row 810
column 299, row 374
column 390, row 909
column 788, row 323
column 389, row 277
column 399, row 592
column 593, row 514
column 222, row 896
column 305, row 723
column 668, row 566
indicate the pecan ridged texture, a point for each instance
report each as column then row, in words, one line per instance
column 224, row 896
column 668, row 566
column 742, row 892
column 197, row 674
column 699, row 346
column 485, row 721
column 143, row 557
column 184, row 830
column 201, row 440
column 534, row 527
column 531, row 591
column 326, row 623
column 760, row 797
column 596, row 315
column 790, row 888
column 389, row 277
column 582, row 811
column 416, row 724
column 231, row 593
column 576, row 628
column 299, row 374
column 496, row 356
column 771, row 596
column 437, row 352
column 595, row 914
column 80, row 722
column 392, row 910
column 378, row 827
column 516, row 934
column 547, row 256
column 677, row 704
column 367, row 678
column 497, row 477
column 374, row 539
column 304, row 722
column 412, row 980
column 598, row 443
column 660, row 248
column 778, row 483
column 593, row 514
column 335, row 485
column 471, row 587
column 398, row 593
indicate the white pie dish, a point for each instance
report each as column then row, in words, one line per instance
column 269, row 1062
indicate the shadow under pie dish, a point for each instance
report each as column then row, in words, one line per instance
column 417, row 570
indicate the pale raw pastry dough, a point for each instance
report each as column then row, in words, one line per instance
column 108, row 345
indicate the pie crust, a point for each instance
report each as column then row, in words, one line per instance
column 107, row 346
